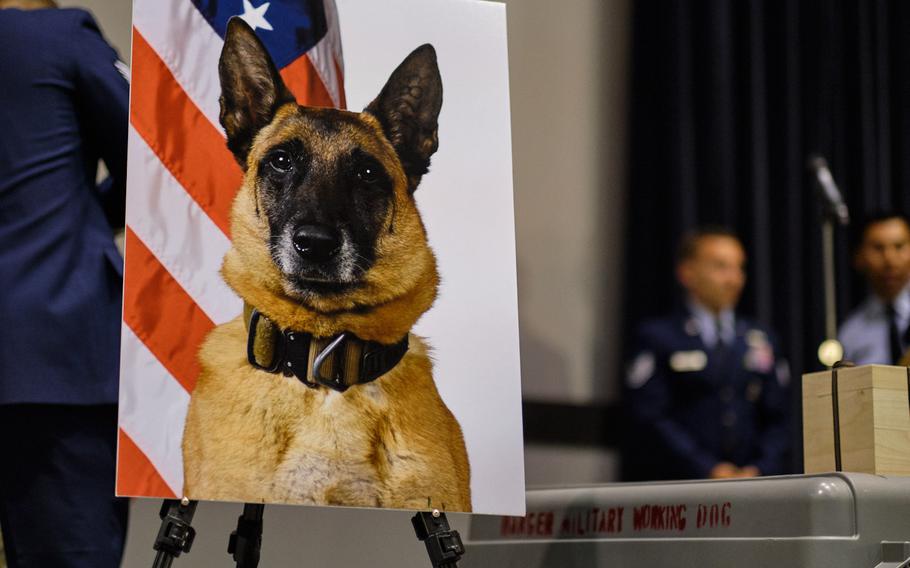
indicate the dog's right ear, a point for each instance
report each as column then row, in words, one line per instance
column 251, row 88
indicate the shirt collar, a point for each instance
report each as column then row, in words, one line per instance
column 901, row 304
column 708, row 322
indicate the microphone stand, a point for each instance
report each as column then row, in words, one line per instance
column 830, row 284
column 830, row 351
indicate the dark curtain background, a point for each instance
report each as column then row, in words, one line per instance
column 728, row 99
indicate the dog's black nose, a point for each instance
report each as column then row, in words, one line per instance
column 316, row 243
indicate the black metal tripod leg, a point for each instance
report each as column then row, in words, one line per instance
column 246, row 541
column 444, row 545
column 175, row 535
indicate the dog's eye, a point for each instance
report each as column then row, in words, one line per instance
column 368, row 174
column 281, row 161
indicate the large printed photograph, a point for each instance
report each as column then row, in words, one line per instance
column 320, row 301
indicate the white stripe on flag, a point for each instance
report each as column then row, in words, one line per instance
column 178, row 232
column 188, row 45
column 153, row 409
column 326, row 54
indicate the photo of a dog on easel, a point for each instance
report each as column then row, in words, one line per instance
column 319, row 393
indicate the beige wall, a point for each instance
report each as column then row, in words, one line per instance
column 113, row 16
column 568, row 81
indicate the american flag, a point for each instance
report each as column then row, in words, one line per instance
column 181, row 182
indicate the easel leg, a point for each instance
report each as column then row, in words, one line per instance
column 175, row 535
column 444, row 545
column 246, row 541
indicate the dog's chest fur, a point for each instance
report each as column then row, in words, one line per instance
column 279, row 440
column 339, row 452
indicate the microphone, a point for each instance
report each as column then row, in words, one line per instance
column 834, row 202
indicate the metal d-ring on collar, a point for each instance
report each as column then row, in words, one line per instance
column 291, row 356
column 323, row 355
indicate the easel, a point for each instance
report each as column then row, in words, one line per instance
column 176, row 535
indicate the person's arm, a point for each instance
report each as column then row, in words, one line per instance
column 648, row 404
column 102, row 98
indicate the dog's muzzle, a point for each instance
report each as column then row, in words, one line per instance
column 316, row 243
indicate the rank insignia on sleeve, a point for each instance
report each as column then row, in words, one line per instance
column 640, row 370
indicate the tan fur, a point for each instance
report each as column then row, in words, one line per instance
column 258, row 437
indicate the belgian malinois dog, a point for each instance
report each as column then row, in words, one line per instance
column 319, row 394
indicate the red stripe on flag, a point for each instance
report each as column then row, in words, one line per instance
column 162, row 314
column 302, row 79
column 184, row 140
column 135, row 473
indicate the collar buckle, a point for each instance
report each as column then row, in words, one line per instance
column 336, row 382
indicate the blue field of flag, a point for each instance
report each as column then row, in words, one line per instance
column 288, row 28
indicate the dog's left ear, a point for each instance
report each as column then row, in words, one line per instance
column 251, row 88
column 408, row 109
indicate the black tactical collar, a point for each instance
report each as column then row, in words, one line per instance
column 337, row 362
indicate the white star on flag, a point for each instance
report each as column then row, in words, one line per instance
column 255, row 17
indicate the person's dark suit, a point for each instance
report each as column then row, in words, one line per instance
column 63, row 105
column 691, row 405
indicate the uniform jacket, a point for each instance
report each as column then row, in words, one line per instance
column 691, row 406
column 63, row 105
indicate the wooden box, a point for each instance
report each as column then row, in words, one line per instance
column 866, row 416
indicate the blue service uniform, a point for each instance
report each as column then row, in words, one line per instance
column 63, row 105
column 693, row 403
column 865, row 334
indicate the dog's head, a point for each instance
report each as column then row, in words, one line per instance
column 326, row 218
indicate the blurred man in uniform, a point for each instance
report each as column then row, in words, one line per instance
column 706, row 390
column 878, row 331
column 63, row 105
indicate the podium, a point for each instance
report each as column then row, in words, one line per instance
column 857, row 419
